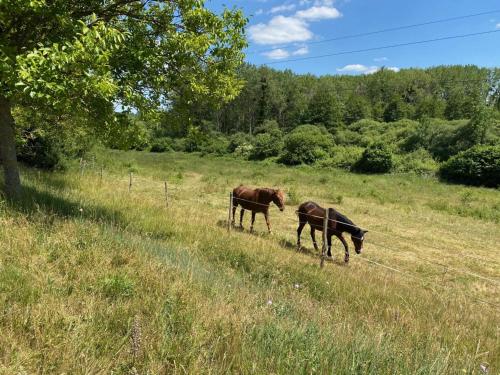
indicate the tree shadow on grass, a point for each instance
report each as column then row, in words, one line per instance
column 34, row 201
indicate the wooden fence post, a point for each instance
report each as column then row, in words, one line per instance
column 325, row 237
column 82, row 166
column 130, row 182
column 166, row 194
column 230, row 211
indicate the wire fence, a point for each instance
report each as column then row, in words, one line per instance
column 133, row 186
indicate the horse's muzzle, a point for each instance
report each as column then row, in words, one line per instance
column 359, row 251
column 282, row 209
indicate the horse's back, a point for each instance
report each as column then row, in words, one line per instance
column 309, row 206
column 312, row 213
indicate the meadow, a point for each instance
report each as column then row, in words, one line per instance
column 95, row 278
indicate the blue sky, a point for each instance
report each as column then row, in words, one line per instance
column 288, row 29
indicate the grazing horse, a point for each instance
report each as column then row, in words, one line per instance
column 312, row 213
column 256, row 200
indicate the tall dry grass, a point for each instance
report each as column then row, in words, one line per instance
column 94, row 279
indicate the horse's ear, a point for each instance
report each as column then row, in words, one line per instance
column 365, row 231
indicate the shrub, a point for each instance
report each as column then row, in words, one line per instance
column 377, row 158
column 270, row 127
column 418, row 162
column 479, row 165
column 344, row 157
column 40, row 150
column 216, row 144
column 179, row 144
column 244, row 150
column 239, row 139
column 266, row 146
column 306, row 144
column 161, row 144
column 194, row 140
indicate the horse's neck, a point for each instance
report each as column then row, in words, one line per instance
column 342, row 221
column 264, row 196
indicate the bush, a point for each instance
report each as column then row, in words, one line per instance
column 239, row 139
column 161, row 144
column 266, row 146
column 179, row 144
column 418, row 162
column 195, row 139
column 377, row 158
column 41, row 151
column 479, row 165
column 342, row 157
column 269, row 127
column 306, row 144
column 216, row 144
column 244, row 150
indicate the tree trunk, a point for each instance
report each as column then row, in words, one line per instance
column 8, row 150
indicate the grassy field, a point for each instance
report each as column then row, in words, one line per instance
column 96, row 279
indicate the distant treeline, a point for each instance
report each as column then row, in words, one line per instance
column 445, row 92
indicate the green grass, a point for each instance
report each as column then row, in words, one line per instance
column 94, row 279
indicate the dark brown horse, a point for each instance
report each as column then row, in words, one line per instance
column 256, row 200
column 312, row 213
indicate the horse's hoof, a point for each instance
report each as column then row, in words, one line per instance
column 346, row 259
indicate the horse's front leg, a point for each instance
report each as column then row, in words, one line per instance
column 346, row 247
column 266, row 215
column 253, row 221
column 241, row 217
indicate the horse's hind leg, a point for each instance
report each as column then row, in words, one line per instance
column 234, row 212
column 253, row 221
column 299, row 232
column 313, row 237
column 241, row 217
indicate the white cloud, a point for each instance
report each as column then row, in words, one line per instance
column 498, row 26
column 279, row 30
column 282, row 8
column 363, row 69
column 289, row 29
column 259, row 12
column 301, row 51
column 358, row 68
column 316, row 13
column 277, row 54
column 327, row 3
column 380, row 59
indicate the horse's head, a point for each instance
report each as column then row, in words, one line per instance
column 278, row 199
column 357, row 239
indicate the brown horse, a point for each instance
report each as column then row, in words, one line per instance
column 312, row 213
column 256, row 200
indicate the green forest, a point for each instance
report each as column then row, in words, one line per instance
column 442, row 121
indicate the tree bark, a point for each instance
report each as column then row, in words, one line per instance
column 8, row 156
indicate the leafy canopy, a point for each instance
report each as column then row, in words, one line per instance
column 69, row 55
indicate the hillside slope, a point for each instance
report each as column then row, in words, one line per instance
column 97, row 279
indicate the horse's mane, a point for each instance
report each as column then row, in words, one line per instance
column 343, row 219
